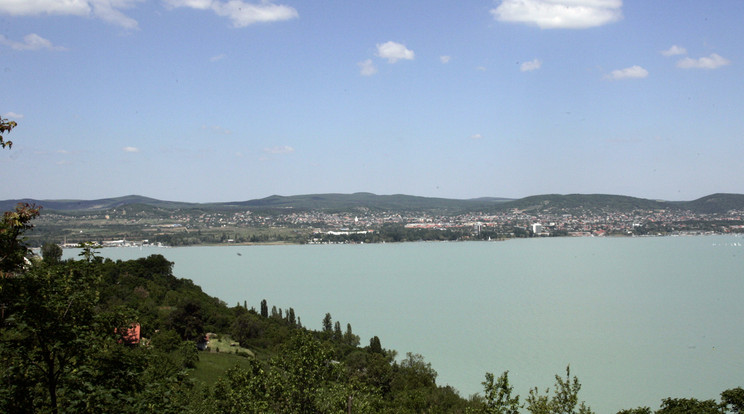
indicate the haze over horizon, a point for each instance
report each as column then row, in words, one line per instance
column 215, row 101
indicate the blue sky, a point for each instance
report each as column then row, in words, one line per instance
column 220, row 100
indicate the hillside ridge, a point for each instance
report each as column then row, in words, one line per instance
column 711, row 204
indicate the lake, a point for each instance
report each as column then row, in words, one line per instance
column 637, row 319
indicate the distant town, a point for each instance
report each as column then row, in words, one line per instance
column 141, row 224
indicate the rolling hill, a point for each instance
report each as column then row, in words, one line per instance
column 711, row 204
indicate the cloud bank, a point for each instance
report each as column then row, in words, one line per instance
column 559, row 14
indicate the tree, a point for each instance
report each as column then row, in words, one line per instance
column 413, row 372
column 337, row 335
column 327, row 324
column 498, row 395
column 291, row 317
column 733, row 400
column 51, row 253
column 349, row 337
column 565, row 398
column 50, row 325
column 375, row 346
column 264, row 309
column 305, row 366
column 188, row 320
column 13, row 250
column 639, row 410
column 245, row 327
column 5, row 127
column 688, row 406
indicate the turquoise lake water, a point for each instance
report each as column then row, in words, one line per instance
column 637, row 319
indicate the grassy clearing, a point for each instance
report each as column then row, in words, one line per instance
column 221, row 355
column 213, row 365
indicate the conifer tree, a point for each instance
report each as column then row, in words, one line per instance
column 337, row 331
column 327, row 323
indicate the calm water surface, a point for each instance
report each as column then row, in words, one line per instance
column 638, row 319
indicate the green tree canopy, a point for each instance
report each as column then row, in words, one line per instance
column 51, row 252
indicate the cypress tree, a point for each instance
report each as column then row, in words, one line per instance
column 337, row 331
column 327, row 323
column 374, row 345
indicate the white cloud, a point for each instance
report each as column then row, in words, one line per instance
column 476, row 136
column 481, row 68
column 674, row 50
column 217, row 58
column 445, row 59
column 106, row 10
column 633, row 72
column 34, row 7
column 367, row 68
column 130, row 149
column 559, row 14
column 393, row 52
column 30, row 42
column 531, row 65
column 713, row 61
column 241, row 14
column 194, row 4
column 282, row 149
column 12, row 115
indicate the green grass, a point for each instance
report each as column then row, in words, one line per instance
column 213, row 364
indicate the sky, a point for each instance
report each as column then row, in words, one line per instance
column 229, row 100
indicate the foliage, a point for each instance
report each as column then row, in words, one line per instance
column 565, row 398
column 733, row 400
column 51, row 253
column 5, row 127
column 64, row 352
column 498, row 395
column 327, row 324
column 13, row 251
column 688, row 406
column 639, row 410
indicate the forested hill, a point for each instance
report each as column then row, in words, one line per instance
column 711, row 204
